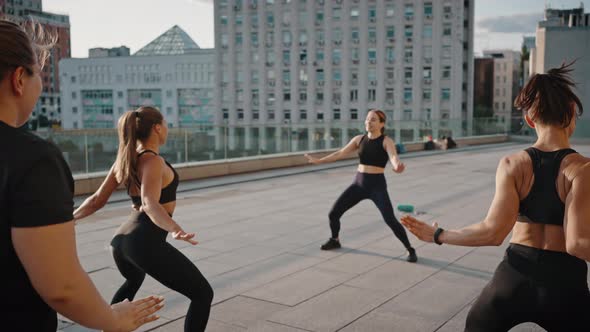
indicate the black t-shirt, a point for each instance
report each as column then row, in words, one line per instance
column 36, row 189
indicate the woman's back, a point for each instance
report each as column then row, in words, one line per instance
column 533, row 233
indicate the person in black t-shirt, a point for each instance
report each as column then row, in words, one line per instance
column 41, row 273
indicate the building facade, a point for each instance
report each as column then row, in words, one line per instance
column 48, row 108
column 507, row 83
column 325, row 63
column 178, row 79
column 564, row 36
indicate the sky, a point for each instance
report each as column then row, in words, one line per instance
column 499, row 24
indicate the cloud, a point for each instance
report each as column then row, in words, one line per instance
column 518, row 23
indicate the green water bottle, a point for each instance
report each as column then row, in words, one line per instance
column 406, row 208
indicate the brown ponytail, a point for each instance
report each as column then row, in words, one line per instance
column 133, row 126
column 549, row 99
column 381, row 116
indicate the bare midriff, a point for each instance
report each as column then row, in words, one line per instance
column 370, row 169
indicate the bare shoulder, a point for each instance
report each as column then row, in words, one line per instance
column 577, row 167
column 357, row 139
column 150, row 160
column 513, row 163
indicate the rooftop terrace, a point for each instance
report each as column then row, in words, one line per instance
column 260, row 238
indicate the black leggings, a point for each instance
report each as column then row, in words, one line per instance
column 548, row 288
column 373, row 187
column 140, row 247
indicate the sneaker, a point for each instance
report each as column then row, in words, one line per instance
column 331, row 244
column 412, row 258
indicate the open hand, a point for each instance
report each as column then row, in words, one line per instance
column 184, row 236
column 131, row 315
column 422, row 230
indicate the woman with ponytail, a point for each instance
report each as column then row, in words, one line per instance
column 139, row 245
column 542, row 199
column 375, row 149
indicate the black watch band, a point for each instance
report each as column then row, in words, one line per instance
column 437, row 234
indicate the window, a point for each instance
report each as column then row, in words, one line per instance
column 303, row 95
column 286, row 95
column 270, row 114
column 336, row 14
column 427, row 94
column 286, row 37
column 372, row 74
column 446, row 72
column 354, row 13
column 320, row 115
column 319, row 55
column 75, row 110
column 389, row 73
column 389, row 95
column 319, row 95
column 428, row 9
column 407, row 116
column 390, row 32
column 255, row 115
column 371, row 95
column 427, row 72
column 407, row 95
column 286, row 56
column 503, row 106
column 445, row 93
column 372, row 55
column 319, row 75
column 239, row 20
column 408, row 53
column 337, row 35
column 355, row 55
column 73, row 79
column 302, row 18
column 254, row 76
column 354, row 114
column 319, row 17
column 286, row 76
column 287, row 114
column 225, row 113
column 408, row 31
column 354, row 33
column 336, row 114
column 372, row 14
column 389, row 54
column 446, row 29
column 389, row 11
column 302, row 114
column 354, row 95
column 372, row 35
column 120, row 94
column 409, row 11
column 270, row 19
column 427, row 32
column 336, row 55
column 74, row 95
column 336, row 75
column 408, row 73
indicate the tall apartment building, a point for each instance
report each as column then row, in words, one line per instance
column 322, row 63
column 507, row 85
column 48, row 108
column 171, row 73
column 564, row 36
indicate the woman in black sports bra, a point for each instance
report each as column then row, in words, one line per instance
column 542, row 197
column 139, row 245
column 374, row 150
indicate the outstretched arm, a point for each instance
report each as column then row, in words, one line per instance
column 492, row 230
column 97, row 200
column 389, row 146
column 345, row 151
column 577, row 217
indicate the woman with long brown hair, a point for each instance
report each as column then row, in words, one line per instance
column 375, row 149
column 139, row 245
column 542, row 198
column 41, row 272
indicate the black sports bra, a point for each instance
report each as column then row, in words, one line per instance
column 168, row 193
column 543, row 205
column 371, row 151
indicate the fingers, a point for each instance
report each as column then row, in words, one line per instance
column 146, row 320
column 147, row 302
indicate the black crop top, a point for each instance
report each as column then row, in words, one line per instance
column 371, row 151
column 543, row 205
column 168, row 193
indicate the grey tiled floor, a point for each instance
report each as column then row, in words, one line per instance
column 259, row 248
